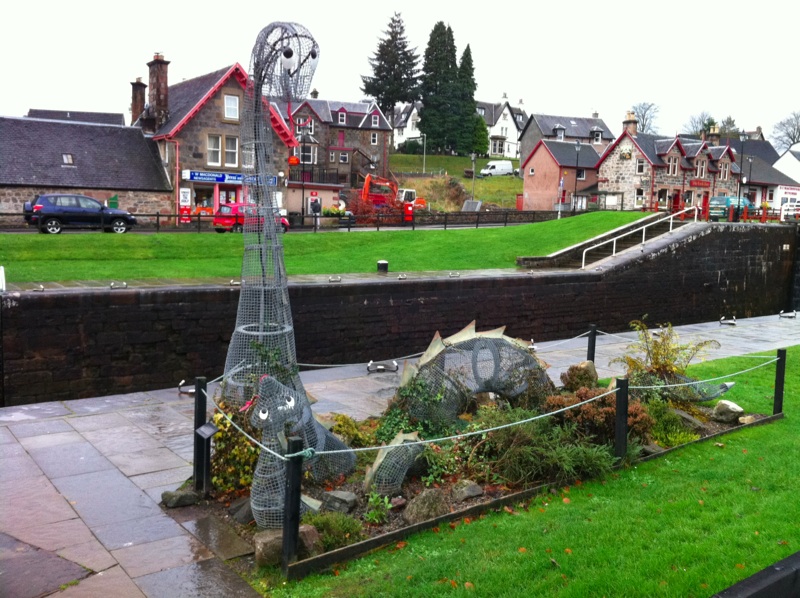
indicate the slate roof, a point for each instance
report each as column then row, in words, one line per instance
column 752, row 147
column 564, row 153
column 764, row 173
column 574, row 126
column 358, row 113
column 492, row 112
column 403, row 113
column 101, row 118
column 104, row 156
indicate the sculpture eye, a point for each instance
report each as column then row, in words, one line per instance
column 290, row 403
column 313, row 58
column 263, row 414
column 288, row 59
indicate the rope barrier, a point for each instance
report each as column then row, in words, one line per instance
column 698, row 382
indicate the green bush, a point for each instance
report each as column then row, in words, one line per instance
column 578, row 377
column 336, row 529
column 234, row 458
column 669, row 429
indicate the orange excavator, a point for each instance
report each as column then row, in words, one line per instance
column 384, row 192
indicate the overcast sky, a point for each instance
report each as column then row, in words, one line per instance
column 562, row 58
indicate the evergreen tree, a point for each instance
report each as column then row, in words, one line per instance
column 395, row 70
column 467, row 131
column 438, row 90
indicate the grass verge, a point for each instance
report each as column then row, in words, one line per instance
column 44, row 258
column 688, row 524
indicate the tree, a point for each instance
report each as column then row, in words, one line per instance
column 646, row 113
column 698, row 124
column 395, row 70
column 787, row 132
column 728, row 128
column 480, row 134
column 466, row 107
column 438, row 85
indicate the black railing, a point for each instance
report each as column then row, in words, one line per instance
column 315, row 174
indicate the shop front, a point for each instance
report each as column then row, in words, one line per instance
column 208, row 190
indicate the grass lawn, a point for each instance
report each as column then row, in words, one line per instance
column 690, row 523
column 97, row 256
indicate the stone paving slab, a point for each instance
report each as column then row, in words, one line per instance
column 219, row 537
column 112, row 582
column 146, row 461
column 90, row 423
column 32, row 503
column 169, row 553
column 29, row 413
column 90, row 555
column 38, row 428
column 123, row 534
column 50, row 440
column 54, row 536
column 205, row 579
column 81, row 457
column 120, row 440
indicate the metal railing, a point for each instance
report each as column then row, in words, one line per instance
column 643, row 229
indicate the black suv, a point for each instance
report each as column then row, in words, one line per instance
column 51, row 213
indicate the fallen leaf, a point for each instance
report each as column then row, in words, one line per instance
column 336, row 573
column 739, row 566
column 540, row 509
column 704, row 585
column 663, row 583
column 522, row 549
column 568, row 550
column 402, row 544
column 644, row 484
column 435, row 530
column 548, row 550
column 578, row 483
column 566, row 489
column 452, row 525
column 566, row 500
column 408, row 577
column 783, row 543
column 701, row 502
column 720, row 444
column 463, row 540
column 508, row 510
column 467, row 520
column 468, row 585
column 454, row 583
column 744, row 450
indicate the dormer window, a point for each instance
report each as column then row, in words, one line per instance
column 481, row 110
column 305, row 124
column 700, row 169
column 342, row 117
column 560, row 134
column 67, row 159
column 375, row 120
column 597, row 137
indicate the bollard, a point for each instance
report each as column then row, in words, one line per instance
column 383, row 267
column 291, row 508
column 199, row 420
column 621, row 423
column 590, row 349
column 780, row 373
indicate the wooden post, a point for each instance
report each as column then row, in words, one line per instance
column 590, row 349
column 291, row 507
column 199, row 420
column 621, row 424
column 780, row 373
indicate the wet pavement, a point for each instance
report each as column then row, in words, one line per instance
column 81, row 480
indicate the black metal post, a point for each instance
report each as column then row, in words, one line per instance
column 477, row 219
column 199, row 420
column 158, row 222
column 592, row 342
column 780, row 373
column 291, row 507
column 621, row 423
column 445, row 221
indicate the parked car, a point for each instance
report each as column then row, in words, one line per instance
column 719, row 207
column 230, row 218
column 52, row 213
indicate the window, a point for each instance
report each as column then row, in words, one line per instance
column 306, row 153
column 700, row 169
column 304, row 124
column 414, row 124
column 640, row 166
column 344, row 157
column 375, row 120
column 67, row 159
column 373, row 139
column 639, row 197
column 214, row 146
column 519, row 118
column 672, row 166
column 581, row 174
column 505, row 115
column 498, row 146
column 248, row 156
column 724, row 171
column 531, row 171
column 232, row 107
column 342, row 117
column 481, row 110
column 560, row 134
column 332, row 157
column 232, row 152
column 597, row 137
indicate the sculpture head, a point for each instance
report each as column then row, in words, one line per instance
column 284, row 59
column 276, row 406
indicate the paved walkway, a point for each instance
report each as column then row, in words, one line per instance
column 81, row 480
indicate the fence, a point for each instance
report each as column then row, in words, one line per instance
column 296, row 452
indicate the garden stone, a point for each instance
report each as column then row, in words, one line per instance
column 310, row 542
column 241, row 510
column 652, row 449
column 694, row 423
column 589, row 367
column 340, row 501
column 179, row 498
column 747, row 419
column 464, row 489
column 727, row 412
column 268, row 547
column 428, row 505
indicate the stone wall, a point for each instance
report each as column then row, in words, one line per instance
column 59, row 345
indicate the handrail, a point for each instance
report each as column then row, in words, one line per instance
column 644, row 228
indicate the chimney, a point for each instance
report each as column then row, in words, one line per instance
column 137, row 99
column 595, row 114
column 713, row 135
column 631, row 124
column 314, row 94
column 159, row 91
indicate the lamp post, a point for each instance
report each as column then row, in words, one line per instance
column 575, row 191
column 742, row 179
column 472, row 157
column 424, row 147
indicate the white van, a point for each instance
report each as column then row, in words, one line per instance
column 497, row 168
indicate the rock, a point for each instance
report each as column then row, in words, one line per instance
column 748, row 419
column 691, row 421
column 429, row 504
column 340, row 501
column 268, row 547
column 652, row 449
column 726, row 412
column 310, row 542
column 589, row 367
column 179, row 498
column 398, row 502
column 464, row 489
column 241, row 510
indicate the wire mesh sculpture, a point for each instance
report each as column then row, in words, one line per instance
column 261, row 365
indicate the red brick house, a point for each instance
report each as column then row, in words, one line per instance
column 559, row 175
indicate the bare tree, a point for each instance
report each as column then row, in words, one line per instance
column 787, row 132
column 699, row 123
column 646, row 113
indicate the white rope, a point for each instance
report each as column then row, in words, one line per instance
column 556, row 344
column 697, row 382
column 344, row 365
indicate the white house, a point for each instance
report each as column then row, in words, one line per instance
column 789, row 162
column 504, row 123
column 406, row 123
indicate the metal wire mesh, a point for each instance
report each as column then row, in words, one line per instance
column 261, row 361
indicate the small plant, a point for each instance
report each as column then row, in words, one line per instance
column 441, row 463
column 394, row 421
column 348, row 430
column 379, row 507
column 669, row 429
column 234, row 458
column 336, row 529
column 578, row 377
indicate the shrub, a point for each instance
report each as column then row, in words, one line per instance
column 668, row 429
column 351, row 433
column 441, row 462
column 598, row 418
column 378, row 508
column 394, row 421
column 578, row 377
column 336, row 529
column 234, row 457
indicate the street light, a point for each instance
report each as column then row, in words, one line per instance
column 742, row 179
column 424, row 144
column 472, row 157
column 575, row 192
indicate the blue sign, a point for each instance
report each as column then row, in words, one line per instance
column 212, row 177
column 256, row 180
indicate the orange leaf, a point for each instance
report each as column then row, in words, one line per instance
column 756, row 532
column 566, row 500
column 744, row 450
column 701, row 502
column 435, row 530
column 463, row 540
column 467, row 520
column 739, row 566
column 454, row 583
column 336, row 573
column 468, row 585
column 566, row 489
column 568, row 550
column 452, row 525
column 541, row 509
column 508, row 510
column 523, row 549
column 578, row 482
column 704, row 585
column 547, row 550
column 402, row 544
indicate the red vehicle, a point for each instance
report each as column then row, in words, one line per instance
column 230, row 218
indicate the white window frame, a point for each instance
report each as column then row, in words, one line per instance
column 672, row 166
column 375, row 120
column 342, row 117
column 638, row 198
column 373, row 139
column 231, row 107
column 700, row 169
column 214, row 150
column 248, row 157
column 560, row 134
column 231, row 152
column 641, row 166
column 332, row 157
column 304, row 124
column 67, row 159
column 597, row 137
column 580, row 174
column 531, row 172
column 344, row 158
column 724, row 171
